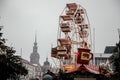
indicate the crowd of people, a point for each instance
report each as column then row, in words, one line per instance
column 51, row 76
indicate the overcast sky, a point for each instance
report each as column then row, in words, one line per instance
column 23, row 18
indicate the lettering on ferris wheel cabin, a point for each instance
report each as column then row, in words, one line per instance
column 84, row 78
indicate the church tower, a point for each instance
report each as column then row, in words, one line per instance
column 46, row 66
column 34, row 57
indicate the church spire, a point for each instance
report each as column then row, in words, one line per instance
column 35, row 43
column 46, row 58
column 34, row 58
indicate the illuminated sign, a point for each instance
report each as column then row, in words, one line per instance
column 69, row 67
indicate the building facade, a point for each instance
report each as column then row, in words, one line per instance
column 31, row 70
column 103, row 57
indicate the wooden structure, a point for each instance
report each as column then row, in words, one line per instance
column 73, row 38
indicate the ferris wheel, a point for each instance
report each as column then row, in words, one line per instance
column 73, row 33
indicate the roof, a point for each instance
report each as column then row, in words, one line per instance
column 102, row 55
column 90, row 68
column 109, row 49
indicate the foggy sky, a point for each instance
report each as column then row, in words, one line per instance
column 23, row 18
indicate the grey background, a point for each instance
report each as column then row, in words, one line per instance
column 23, row 18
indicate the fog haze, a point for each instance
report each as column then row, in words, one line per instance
column 22, row 19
